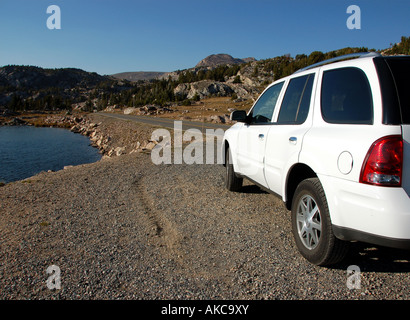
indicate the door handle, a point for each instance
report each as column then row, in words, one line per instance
column 261, row 136
column 293, row 140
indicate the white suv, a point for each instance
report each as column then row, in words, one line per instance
column 332, row 140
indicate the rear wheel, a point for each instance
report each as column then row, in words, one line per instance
column 232, row 182
column 311, row 225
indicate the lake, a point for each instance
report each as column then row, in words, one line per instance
column 26, row 151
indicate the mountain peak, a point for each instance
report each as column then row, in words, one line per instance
column 221, row 58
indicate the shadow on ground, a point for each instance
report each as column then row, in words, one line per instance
column 371, row 258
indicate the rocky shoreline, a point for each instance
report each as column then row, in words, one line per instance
column 104, row 134
column 110, row 138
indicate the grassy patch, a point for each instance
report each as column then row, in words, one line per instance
column 205, row 108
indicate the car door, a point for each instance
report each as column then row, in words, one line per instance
column 252, row 136
column 284, row 140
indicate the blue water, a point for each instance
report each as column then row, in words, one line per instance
column 26, row 151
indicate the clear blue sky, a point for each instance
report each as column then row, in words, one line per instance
column 107, row 36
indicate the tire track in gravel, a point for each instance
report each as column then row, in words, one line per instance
column 162, row 232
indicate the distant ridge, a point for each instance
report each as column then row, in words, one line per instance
column 138, row 75
column 222, row 58
column 213, row 60
column 37, row 78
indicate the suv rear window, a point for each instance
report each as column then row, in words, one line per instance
column 346, row 97
column 400, row 68
column 295, row 105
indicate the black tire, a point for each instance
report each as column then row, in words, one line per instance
column 312, row 227
column 232, row 181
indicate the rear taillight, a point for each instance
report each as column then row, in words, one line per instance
column 383, row 164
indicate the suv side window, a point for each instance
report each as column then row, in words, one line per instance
column 295, row 104
column 346, row 97
column 263, row 109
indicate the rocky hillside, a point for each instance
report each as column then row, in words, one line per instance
column 215, row 60
column 211, row 61
column 21, row 77
column 29, row 87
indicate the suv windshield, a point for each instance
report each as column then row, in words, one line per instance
column 400, row 68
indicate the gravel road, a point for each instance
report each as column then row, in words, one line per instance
column 124, row 228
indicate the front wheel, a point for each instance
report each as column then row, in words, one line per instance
column 311, row 225
column 232, row 182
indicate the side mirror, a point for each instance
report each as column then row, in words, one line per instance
column 239, row 115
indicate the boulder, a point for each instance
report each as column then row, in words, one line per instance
column 76, row 128
column 130, row 110
column 119, row 151
column 203, row 89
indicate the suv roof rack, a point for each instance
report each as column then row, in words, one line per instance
column 341, row 58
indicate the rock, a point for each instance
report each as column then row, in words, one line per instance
column 110, row 109
column 164, row 109
column 130, row 110
column 110, row 153
column 220, row 118
column 75, row 129
column 99, row 142
column 182, row 90
column 119, row 151
column 202, row 89
column 217, row 119
column 151, row 145
column 150, row 108
column 147, row 145
column 137, row 148
column 16, row 122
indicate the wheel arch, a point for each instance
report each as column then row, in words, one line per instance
column 296, row 175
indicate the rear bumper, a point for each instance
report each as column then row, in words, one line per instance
column 379, row 215
column 356, row 235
